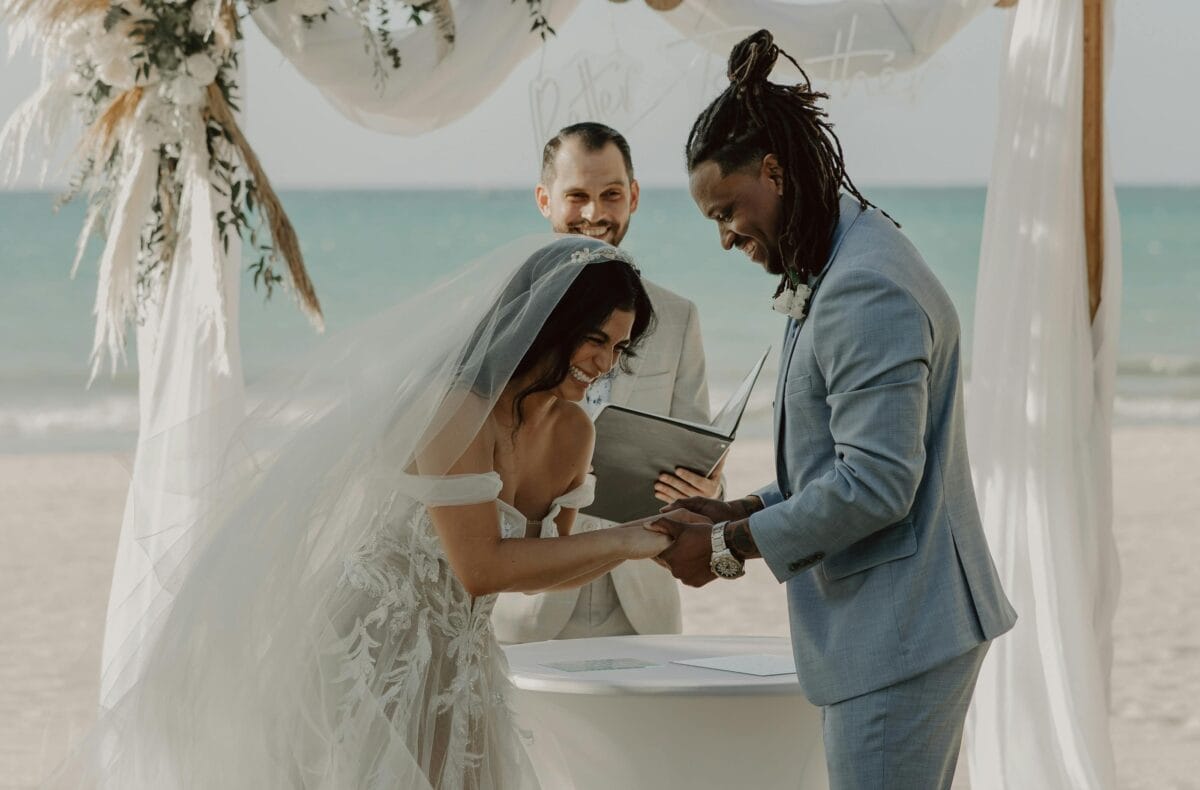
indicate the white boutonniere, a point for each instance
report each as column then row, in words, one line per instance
column 793, row 301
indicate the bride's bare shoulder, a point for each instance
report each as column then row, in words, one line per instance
column 574, row 421
column 575, row 434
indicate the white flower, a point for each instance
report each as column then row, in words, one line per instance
column 118, row 72
column 201, row 68
column 793, row 301
column 311, row 7
column 182, row 91
column 204, row 15
column 80, row 82
column 103, row 45
column 108, row 52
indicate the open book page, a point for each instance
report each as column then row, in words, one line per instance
column 727, row 420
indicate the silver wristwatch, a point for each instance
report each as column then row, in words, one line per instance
column 723, row 563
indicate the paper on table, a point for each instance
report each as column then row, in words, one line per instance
column 762, row 665
column 598, row 664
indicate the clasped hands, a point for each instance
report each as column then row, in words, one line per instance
column 688, row 522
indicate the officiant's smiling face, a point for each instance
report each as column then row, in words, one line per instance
column 587, row 191
column 746, row 204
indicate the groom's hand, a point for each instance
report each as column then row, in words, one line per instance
column 718, row 509
column 689, row 556
column 685, row 483
column 712, row 509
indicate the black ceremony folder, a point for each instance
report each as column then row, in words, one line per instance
column 634, row 447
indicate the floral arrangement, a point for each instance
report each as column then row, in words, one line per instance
column 155, row 83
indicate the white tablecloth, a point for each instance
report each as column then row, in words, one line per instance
column 667, row 725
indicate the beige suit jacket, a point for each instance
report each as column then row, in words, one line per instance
column 667, row 377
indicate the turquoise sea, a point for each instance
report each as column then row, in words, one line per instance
column 368, row 249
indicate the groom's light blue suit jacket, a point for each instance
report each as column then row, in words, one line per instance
column 872, row 520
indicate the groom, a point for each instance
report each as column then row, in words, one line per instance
column 871, row 521
column 587, row 188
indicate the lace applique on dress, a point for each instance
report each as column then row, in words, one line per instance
column 420, row 653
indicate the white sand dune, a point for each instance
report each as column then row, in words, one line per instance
column 60, row 515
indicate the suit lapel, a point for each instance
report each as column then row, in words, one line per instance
column 785, row 358
column 622, row 388
column 848, row 213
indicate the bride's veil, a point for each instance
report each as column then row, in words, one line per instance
column 246, row 585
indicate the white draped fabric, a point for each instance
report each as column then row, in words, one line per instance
column 1039, row 424
column 190, row 397
column 866, row 37
column 436, row 83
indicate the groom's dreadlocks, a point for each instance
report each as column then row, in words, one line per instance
column 754, row 117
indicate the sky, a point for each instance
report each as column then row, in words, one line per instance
column 932, row 126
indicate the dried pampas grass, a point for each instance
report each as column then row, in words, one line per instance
column 53, row 12
column 283, row 235
column 101, row 137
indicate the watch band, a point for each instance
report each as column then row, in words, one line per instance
column 723, row 563
column 718, row 537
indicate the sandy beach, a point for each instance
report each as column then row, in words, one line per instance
column 60, row 515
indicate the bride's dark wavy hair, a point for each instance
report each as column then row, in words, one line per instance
column 598, row 290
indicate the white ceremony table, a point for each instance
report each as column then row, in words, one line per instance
column 668, row 725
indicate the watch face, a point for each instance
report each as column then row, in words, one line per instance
column 727, row 567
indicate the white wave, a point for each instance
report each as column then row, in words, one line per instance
column 1152, row 409
column 111, row 414
column 1163, row 365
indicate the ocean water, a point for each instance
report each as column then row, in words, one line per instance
column 368, row 249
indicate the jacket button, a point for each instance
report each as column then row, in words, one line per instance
column 820, row 555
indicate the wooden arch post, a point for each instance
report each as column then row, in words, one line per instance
column 1093, row 147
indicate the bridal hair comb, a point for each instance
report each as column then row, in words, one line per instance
column 606, row 253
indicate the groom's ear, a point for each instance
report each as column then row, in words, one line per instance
column 635, row 192
column 542, row 196
column 773, row 172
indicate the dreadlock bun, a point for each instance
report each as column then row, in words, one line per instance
column 752, row 59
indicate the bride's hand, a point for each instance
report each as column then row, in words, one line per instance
column 641, row 542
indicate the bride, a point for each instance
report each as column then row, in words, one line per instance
column 326, row 623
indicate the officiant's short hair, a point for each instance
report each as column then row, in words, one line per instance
column 594, row 136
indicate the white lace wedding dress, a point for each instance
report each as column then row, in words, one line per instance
column 419, row 651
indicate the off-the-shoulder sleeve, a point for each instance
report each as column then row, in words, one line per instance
column 449, row 490
column 579, row 497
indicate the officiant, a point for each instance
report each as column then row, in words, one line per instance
column 587, row 187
